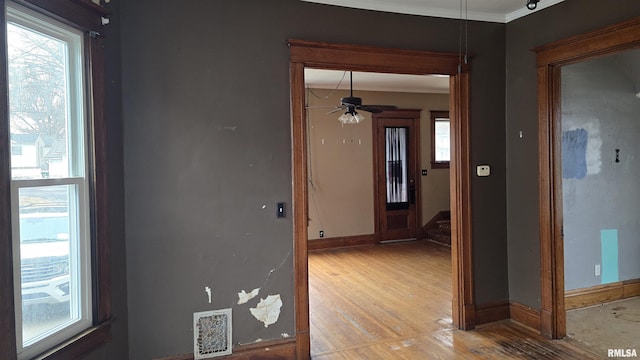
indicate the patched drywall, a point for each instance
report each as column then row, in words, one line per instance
column 600, row 171
column 522, row 35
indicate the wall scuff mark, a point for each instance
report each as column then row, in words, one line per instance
column 268, row 310
column 243, row 297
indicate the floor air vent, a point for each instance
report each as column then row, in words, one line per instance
column 211, row 333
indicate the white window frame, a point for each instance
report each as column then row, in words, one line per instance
column 439, row 117
column 78, row 169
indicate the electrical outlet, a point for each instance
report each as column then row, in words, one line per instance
column 321, row 233
column 597, row 270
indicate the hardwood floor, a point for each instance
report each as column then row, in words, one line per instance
column 393, row 301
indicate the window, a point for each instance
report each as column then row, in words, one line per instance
column 16, row 150
column 49, row 201
column 440, row 140
column 57, row 204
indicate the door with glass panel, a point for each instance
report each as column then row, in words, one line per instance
column 396, row 165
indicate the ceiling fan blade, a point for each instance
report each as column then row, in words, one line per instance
column 376, row 108
column 320, row 107
column 337, row 108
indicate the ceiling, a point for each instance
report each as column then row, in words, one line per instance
column 332, row 79
column 501, row 11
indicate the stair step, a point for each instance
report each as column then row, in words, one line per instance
column 444, row 225
column 443, row 237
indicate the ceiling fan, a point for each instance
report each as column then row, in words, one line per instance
column 351, row 103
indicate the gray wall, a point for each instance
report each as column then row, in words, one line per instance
column 207, row 149
column 568, row 18
column 599, row 96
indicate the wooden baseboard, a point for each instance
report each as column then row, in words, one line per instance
column 433, row 223
column 600, row 294
column 491, row 312
column 505, row 309
column 266, row 350
column 341, row 242
column 525, row 315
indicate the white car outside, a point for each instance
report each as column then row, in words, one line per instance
column 44, row 253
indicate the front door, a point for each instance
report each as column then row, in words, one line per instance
column 396, row 135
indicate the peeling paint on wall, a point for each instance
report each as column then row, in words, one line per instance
column 268, row 310
column 207, row 290
column 243, row 297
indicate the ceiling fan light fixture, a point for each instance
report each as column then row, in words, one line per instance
column 350, row 117
column 532, row 4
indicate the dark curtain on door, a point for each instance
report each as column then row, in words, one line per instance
column 396, row 160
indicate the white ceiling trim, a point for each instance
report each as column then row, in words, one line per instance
column 425, row 8
column 524, row 11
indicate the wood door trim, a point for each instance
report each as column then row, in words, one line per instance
column 550, row 58
column 362, row 58
column 402, row 115
column 463, row 312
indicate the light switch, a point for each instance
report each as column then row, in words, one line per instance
column 282, row 210
column 483, row 170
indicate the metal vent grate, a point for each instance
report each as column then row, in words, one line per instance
column 211, row 334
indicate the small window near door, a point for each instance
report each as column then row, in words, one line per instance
column 440, row 140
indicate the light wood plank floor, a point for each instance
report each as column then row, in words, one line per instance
column 393, row 301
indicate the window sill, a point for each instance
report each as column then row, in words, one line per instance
column 80, row 344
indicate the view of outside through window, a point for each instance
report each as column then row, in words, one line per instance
column 43, row 179
column 442, row 140
column 45, row 262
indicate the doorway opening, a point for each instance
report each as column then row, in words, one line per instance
column 566, row 155
column 305, row 54
column 365, row 187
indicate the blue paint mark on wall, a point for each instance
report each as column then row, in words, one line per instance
column 609, row 241
column 574, row 154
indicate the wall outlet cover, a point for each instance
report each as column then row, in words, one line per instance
column 483, row 170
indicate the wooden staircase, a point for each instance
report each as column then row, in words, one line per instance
column 442, row 233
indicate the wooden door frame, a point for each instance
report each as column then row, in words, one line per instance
column 364, row 58
column 550, row 58
column 403, row 114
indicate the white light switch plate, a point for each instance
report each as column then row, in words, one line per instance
column 484, row 170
